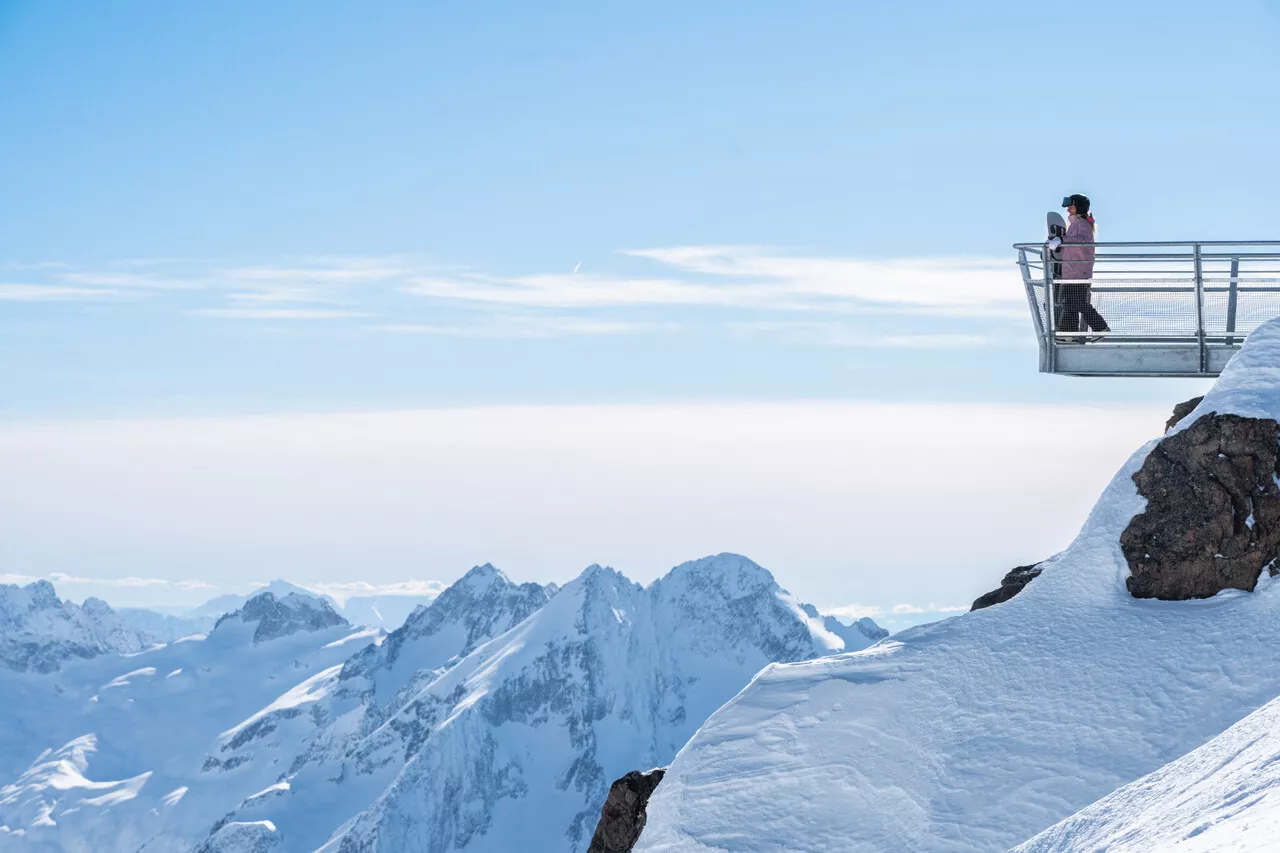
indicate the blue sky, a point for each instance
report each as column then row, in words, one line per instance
column 240, row 208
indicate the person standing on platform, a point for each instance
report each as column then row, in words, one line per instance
column 1077, row 313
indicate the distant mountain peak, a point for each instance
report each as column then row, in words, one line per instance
column 733, row 574
column 482, row 577
column 40, row 632
column 279, row 617
column 231, row 602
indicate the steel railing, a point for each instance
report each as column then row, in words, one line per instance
column 1205, row 294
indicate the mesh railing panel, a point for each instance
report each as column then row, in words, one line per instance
column 1148, row 294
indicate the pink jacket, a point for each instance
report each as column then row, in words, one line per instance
column 1077, row 261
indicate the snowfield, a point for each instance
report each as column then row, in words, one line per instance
column 1222, row 796
column 107, row 754
column 975, row 733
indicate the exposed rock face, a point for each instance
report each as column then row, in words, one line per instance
column 624, row 812
column 248, row 837
column 39, row 632
column 1212, row 520
column 1180, row 411
column 1010, row 585
column 279, row 617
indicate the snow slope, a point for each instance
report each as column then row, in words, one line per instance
column 1223, row 796
column 39, row 632
column 442, row 739
column 493, row 719
column 110, row 753
column 975, row 733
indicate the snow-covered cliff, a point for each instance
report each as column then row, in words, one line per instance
column 514, row 747
column 977, row 732
column 40, row 632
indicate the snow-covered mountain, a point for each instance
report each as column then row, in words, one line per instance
column 40, row 632
column 1223, row 796
column 110, row 753
column 493, row 719
column 223, row 604
column 979, row 731
column 273, row 617
column 514, row 746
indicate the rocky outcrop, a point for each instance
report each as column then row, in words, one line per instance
column 1010, row 585
column 39, row 632
column 258, row 836
column 1212, row 520
column 624, row 812
column 280, row 617
column 1180, row 411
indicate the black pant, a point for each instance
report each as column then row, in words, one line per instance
column 1075, row 311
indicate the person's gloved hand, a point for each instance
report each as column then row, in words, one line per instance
column 1054, row 244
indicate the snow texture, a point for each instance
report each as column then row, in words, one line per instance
column 494, row 719
column 39, row 632
column 975, row 733
column 1224, row 795
column 110, row 753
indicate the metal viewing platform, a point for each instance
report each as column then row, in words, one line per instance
column 1173, row 309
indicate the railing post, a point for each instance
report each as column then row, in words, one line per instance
column 1231, row 299
column 1051, row 333
column 1204, row 355
column 1036, row 321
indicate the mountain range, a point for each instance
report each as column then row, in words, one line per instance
column 496, row 716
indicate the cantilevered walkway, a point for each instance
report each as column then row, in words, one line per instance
column 1174, row 309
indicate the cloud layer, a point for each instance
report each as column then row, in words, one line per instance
column 738, row 290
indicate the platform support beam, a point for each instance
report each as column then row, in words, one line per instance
column 1204, row 353
column 1051, row 334
column 1231, row 299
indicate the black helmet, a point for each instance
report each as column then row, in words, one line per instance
column 1080, row 201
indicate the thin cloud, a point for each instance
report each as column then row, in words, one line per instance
column 53, row 293
column 524, row 327
column 275, row 313
column 834, row 334
column 854, row 611
column 37, row 265
column 276, row 295
column 937, row 281
column 324, row 269
column 128, row 280
column 63, row 579
column 342, row 591
column 570, row 290
column 752, row 277
column 901, row 609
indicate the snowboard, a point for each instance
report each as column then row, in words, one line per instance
column 1057, row 227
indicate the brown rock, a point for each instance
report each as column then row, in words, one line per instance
column 623, row 815
column 1180, row 411
column 1010, row 585
column 1212, row 520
